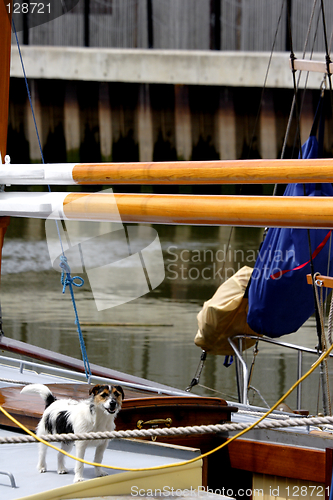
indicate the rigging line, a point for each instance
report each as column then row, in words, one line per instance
column 33, row 114
column 311, row 55
column 318, row 323
column 323, row 365
column 292, row 109
column 266, row 77
column 292, row 58
column 328, row 273
column 300, row 73
column 293, row 71
column 328, row 59
column 69, row 281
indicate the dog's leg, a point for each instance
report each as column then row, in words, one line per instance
column 61, row 457
column 41, row 466
column 80, row 447
column 99, row 457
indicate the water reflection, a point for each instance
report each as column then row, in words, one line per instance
column 151, row 337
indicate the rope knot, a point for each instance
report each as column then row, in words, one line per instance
column 66, row 278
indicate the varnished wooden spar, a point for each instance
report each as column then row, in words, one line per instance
column 178, row 172
column 206, row 172
column 259, row 211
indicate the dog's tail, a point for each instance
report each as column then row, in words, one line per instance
column 43, row 391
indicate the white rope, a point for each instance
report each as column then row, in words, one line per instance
column 172, row 431
column 12, row 381
column 260, row 413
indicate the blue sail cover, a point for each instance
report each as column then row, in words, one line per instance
column 280, row 300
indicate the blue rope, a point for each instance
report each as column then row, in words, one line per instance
column 66, row 278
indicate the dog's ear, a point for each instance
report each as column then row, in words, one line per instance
column 94, row 390
column 120, row 389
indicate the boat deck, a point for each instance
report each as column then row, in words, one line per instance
column 21, row 462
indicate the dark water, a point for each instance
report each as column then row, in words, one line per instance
column 151, row 336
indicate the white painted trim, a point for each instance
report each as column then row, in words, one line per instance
column 36, row 205
column 37, row 174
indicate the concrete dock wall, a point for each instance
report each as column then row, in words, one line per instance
column 141, row 105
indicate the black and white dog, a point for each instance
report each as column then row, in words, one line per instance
column 95, row 414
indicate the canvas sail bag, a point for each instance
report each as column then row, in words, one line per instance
column 225, row 315
column 280, row 301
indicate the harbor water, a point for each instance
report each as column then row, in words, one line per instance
column 151, row 336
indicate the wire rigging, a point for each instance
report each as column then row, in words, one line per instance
column 266, row 77
column 292, row 109
column 327, row 54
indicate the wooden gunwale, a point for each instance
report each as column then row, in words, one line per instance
column 278, row 460
column 137, row 405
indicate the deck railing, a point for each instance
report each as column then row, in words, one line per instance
column 242, row 370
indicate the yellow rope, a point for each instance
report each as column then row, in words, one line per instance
column 178, row 464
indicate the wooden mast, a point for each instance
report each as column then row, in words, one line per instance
column 5, row 47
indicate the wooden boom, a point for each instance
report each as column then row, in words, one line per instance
column 278, row 211
column 207, row 172
column 178, row 172
column 260, row 211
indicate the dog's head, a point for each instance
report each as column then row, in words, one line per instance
column 108, row 397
